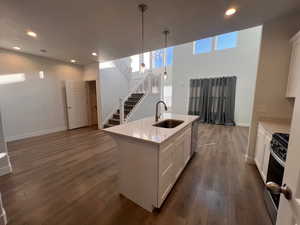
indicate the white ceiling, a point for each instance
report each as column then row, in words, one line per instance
column 73, row 29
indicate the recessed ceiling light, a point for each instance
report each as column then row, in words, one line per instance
column 94, row 54
column 31, row 33
column 230, row 12
column 17, row 48
column 73, row 61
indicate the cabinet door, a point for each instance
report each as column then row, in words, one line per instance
column 266, row 156
column 294, row 71
column 166, row 172
column 187, row 145
column 260, row 148
column 179, row 155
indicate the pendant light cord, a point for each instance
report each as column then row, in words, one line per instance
column 166, row 32
column 142, row 8
column 142, row 31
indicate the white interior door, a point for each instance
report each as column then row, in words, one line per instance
column 76, row 95
column 289, row 210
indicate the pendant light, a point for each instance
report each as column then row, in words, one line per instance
column 166, row 33
column 142, row 8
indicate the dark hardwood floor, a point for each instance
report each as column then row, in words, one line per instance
column 71, row 178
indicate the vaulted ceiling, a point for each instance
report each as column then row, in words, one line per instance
column 73, row 29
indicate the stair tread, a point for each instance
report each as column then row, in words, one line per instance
column 107, row 125
column 133, row 99
column 129, row 104
column 115, row 119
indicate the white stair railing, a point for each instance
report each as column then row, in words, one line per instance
column 123, row 65
column 120, row 104
column 121, row 111
column 150, row 84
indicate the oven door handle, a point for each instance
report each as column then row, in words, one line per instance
column 276, row 189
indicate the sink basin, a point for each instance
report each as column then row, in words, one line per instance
column 169, row 123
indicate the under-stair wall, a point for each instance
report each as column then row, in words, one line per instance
column 139, row 103
column 113, row 85
column 145, row 108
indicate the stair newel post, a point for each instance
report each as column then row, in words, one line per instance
column 121, row 111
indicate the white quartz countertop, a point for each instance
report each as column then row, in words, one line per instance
column 144, row 130
column 275, row 125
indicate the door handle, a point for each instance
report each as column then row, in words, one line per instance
column 69, row 107
column 276, row 190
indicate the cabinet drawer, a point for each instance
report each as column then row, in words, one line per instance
column 165, row 183
column 171, row 139
column 165, row 157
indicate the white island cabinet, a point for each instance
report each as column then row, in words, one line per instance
column 152, row 158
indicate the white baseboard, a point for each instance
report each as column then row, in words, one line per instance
column 249, row 159
column 243, row 124
column 35, row 133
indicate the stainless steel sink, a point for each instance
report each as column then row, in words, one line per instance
column 169, row 123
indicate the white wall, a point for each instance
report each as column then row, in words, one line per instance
column 272, row 74
column 35, row 106
column 240, row 62
column 113, row 85
column 91, row 71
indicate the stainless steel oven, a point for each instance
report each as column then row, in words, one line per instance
column 275, row 172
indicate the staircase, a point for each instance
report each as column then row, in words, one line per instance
column 129, row 105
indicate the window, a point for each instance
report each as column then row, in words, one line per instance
column 147, row 59
column 225, row 41
column 41, row 74
column 203, row 45
column 12, row 78
column 170, row 53
column 168, row 95
column 106, row 65
column 158, row 57
column 135, row 63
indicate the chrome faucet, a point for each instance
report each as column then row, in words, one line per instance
column 156, row 110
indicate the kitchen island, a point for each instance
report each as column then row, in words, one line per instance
column 152, row 155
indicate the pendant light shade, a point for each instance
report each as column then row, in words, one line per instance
column 165, row 33
column 142, row 8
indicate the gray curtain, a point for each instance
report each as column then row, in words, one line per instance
column 213, row 99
